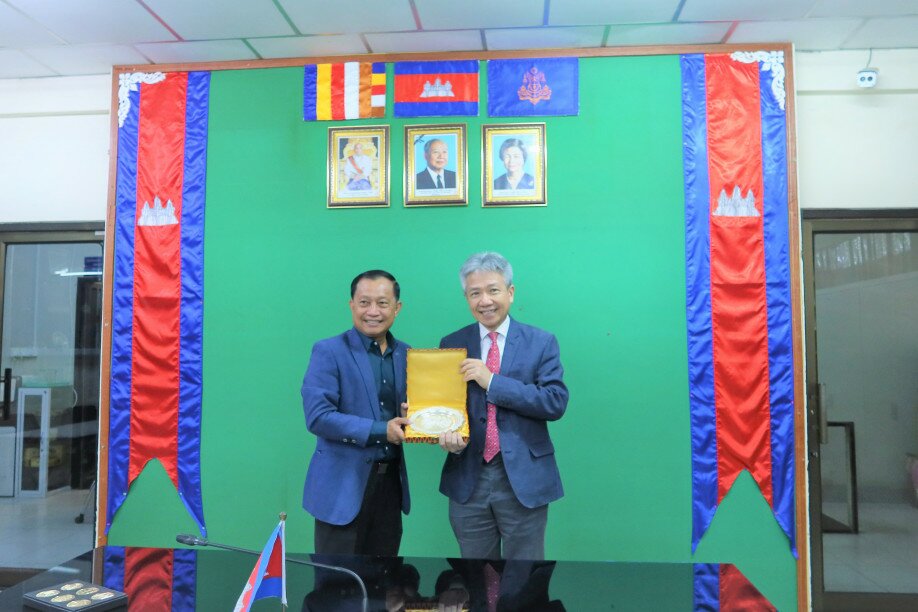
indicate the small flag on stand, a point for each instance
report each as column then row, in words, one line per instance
column 434, row 89
column 269, row 578
column 349, row 90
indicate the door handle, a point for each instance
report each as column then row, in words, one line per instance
column 7, row 393
column 823, row 413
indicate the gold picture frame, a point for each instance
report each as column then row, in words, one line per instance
column 358, row 167
column 514, row 159
column 436, row 152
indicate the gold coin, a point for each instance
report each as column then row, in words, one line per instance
column 87, row 591
column 78, row 603
column 61, row 598
column 72, row 586
column 103, row 595
column 49, row 593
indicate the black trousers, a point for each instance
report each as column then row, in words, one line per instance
column 377, row 528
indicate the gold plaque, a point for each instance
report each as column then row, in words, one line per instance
column 436, row 395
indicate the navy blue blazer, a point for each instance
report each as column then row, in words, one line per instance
column 341, row 403
column 528, row 392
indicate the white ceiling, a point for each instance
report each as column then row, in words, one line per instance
column 40, row 38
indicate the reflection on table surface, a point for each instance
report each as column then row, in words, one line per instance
column 192, row 579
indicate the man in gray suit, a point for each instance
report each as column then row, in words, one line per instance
column 500, row 484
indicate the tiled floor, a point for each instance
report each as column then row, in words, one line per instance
column 881, row 558
column 40, row 532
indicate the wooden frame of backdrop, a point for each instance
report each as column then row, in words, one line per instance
column 794, row 237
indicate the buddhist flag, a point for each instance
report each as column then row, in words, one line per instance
column 738, row 301
column 158, row 284
column 154, row 579
column 533, row 87
column 435, row 89
column 269, row 578
column 350, row 90
column 720, row 586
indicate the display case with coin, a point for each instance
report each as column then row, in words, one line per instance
column 75, row 595
column 436, row 395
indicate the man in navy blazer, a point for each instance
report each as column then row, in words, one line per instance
column 500, row 484
column 357, row 485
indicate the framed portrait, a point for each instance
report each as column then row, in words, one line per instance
column 436, row 165
column 513, row 164
column 358, row 166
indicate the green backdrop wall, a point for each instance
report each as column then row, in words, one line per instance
column 601, row 266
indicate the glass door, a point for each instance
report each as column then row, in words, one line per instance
column 861, row 298
column 50, row 340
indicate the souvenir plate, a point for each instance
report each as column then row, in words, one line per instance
column 436, row 420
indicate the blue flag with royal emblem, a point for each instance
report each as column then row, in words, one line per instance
column 533, row 87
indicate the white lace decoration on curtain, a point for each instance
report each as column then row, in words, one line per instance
column 129, row 82
column 772, row 61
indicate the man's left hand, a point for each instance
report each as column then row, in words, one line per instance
column 451, row 441
column 475, row 369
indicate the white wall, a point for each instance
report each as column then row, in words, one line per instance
column 54, row 135
column 856, row 148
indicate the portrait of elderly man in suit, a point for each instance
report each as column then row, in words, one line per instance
column 435, row 175
column 501, row 481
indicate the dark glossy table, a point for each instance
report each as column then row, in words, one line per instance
column 193, row 579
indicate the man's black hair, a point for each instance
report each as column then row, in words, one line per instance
column 373, row 275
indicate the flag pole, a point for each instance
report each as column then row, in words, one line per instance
column 283, row 519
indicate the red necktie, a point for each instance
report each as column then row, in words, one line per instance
column 492, row 441
column 492, row 587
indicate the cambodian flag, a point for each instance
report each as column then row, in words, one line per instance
column 720, row 586
column 738, row 304
column 157, row 291
column 434, row 89
column 153, row 578
column 269, row 578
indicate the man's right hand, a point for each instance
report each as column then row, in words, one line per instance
column 395, row 430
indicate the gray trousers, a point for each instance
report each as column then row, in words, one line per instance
column 493, row 524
